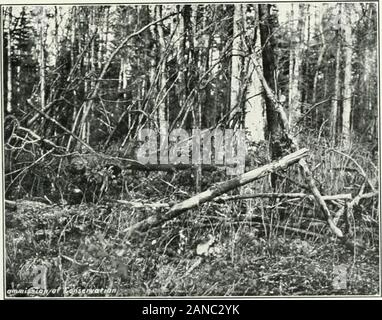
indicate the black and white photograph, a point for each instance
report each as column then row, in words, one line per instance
column 207, row 149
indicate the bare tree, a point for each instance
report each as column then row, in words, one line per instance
column 347, row 104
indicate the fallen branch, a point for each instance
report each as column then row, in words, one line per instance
column 139, row 205
column 218, row 190
column 347, row 196
column 45, row 109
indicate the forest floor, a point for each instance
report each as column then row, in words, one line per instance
column 85, row 246
column 256, row 247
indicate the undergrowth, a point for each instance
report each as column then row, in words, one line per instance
column 255, row 247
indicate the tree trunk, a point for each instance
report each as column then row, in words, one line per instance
column 200, row 56
column 9, row 61
column 236, row 63
column 347, row 98
column 43, row 30
column 269, row 71
column 162, row 105
column 319, row 20
column 180, row 38
column 102, row 20
column 336, row 95
column 295, row 77
column 255, row 104
column 73, row 36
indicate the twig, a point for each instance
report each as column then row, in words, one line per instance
column 48, row 117
column 360, row 169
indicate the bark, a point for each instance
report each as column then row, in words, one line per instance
column 43, row 30
column 73, row 36
column 269, row 68
column 92, row 47
column 199, row 48
column 267, row 26
column 56, row 36
column 180, row 38
column 9, row 61
column 102, row 20
column 236, row 60
column 217, row 190
column 162, row 97
column 336, row 95
column 347, row 98
column 320, row 59
column 255, row 104
column 296, row 58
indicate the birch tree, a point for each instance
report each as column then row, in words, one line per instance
column 254, row 103
column 347, row 97
column 295, row 63
column 336, row 95
column 236, row 61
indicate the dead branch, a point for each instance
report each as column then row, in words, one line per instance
column 120, row 46
column 48, row 117
column 347, row 196
column 139, row 205
column 46, row 108
column 360, row 169
column 24, row 169
column 36, row 136
column 218, row 190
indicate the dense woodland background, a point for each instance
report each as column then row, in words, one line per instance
column 81, row 81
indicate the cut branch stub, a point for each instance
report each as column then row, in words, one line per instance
column 218, row 190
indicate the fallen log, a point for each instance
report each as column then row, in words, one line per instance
column 218, row 190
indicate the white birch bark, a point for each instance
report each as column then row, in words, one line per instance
column 347, row 102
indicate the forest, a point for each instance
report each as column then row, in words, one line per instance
column 191, row 149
